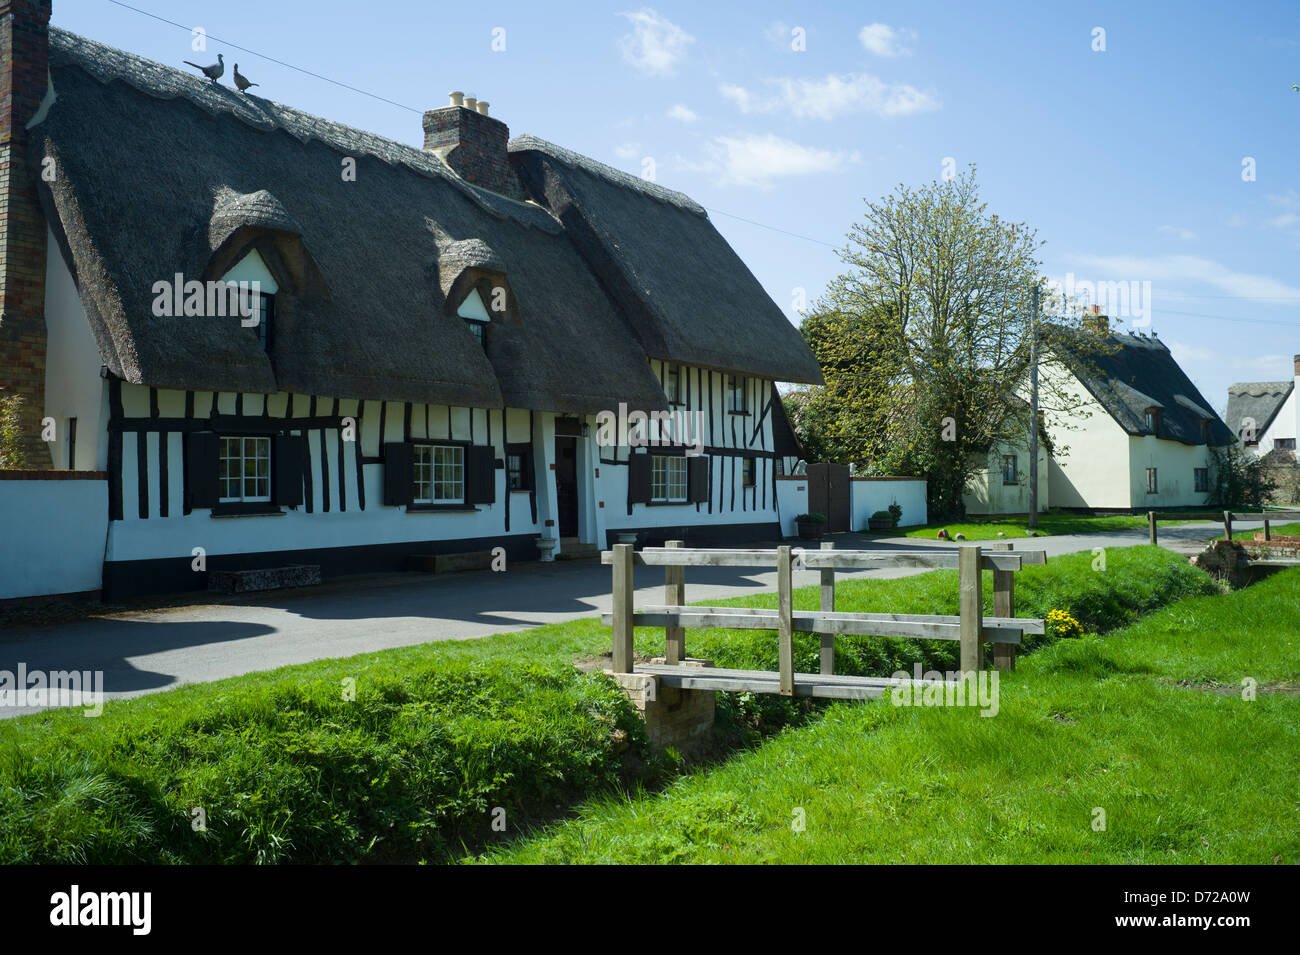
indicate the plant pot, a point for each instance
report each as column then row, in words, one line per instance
column 880, row 524
column 811, row 532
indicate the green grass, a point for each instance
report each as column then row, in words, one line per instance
column 1148, row 725
column 286, row 768
column 1276, row 530
column 981, row 528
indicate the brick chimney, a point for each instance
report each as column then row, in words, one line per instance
column 1096, row 321
column 24, row 65
column 472, row 143
column 1297, row 366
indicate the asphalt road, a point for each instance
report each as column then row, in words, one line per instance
column 161, row 649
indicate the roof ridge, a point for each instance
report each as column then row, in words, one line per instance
column 106, row 63
column 567, row 156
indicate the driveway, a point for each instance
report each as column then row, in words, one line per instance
column 161, row 649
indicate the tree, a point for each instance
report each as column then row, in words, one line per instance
column 924, row 339
column 13, row 451
column 1238, row 478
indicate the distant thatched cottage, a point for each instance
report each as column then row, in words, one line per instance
column 434, row 336
column 1136, row 437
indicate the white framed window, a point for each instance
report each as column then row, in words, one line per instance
column 1153, row 482
column 1010, row 473
column 668, row 479
column 736, row 394
column 1202, row 478
column 438, row 471
column 244, row 468
column 475, row 314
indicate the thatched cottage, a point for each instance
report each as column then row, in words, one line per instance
column 1136, row 434
column 426, row 344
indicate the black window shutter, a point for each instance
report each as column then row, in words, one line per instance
column 638, row 479
column 397, row 474
column 480, row 474
column 201, row 469
column 288, row 459
column 697, row 479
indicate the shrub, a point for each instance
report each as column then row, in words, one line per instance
column 811, row 518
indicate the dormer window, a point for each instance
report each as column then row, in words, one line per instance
column 257, row 288
column 263, row 309
column 1153, row 419
column 475, row 314
column 673, row 383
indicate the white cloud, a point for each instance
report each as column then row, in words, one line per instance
column 759, row 158
column 683, row 113
column 627, row 150
column 655, row 44
column 883, row 40
column 1284, row 220
column 1185, row 234
column 832, row 96
column 1174, row 271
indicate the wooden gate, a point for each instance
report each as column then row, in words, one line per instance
column 829, row 491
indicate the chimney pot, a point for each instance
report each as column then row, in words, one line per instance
column 474, row 144
column 1297, row 366
column 456, row 97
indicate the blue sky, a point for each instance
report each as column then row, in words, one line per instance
column 1128, row 160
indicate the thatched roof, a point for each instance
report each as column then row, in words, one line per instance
column 1257, row 400
column 690, row 297
column 1129, row 374
column 163, row 172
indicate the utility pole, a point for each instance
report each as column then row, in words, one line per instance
column 1033, row 410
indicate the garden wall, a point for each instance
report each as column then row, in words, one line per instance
column 54, row 527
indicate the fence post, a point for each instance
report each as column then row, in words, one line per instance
column 972, row 611
column 1267, row 535
column 785, row 609
column 828, row 603
column 1151, row 521
column 1004, row 605
column 674, row 596
column 1227, row 524
column 622, row 594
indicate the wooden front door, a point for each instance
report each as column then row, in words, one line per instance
column 828, row 493
column 566, row 484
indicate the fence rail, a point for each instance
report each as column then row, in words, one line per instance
column 970, row 628
column 1226, row 517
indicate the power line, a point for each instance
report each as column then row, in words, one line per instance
column 384, row 99
column 271, row 59
column 796, row 235
column 729, row 215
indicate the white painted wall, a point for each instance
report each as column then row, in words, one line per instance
column 792, row 498
column 134, row 538
column 54, row 536
column 1090, row 467
column 876, row 494
column 1174, row 463
column 986, row 494
column 730, row 502
column 73, row 388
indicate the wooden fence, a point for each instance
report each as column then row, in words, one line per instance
column 970, row 627
column 1227, row 517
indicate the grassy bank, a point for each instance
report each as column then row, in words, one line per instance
column 407, row 754
column 979, row 528
column 1132, row 748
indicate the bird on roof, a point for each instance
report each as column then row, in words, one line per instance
column 241, row 80
column 212, row 72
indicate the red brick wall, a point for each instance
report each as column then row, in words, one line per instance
column 24, row 54
column 480, row 155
